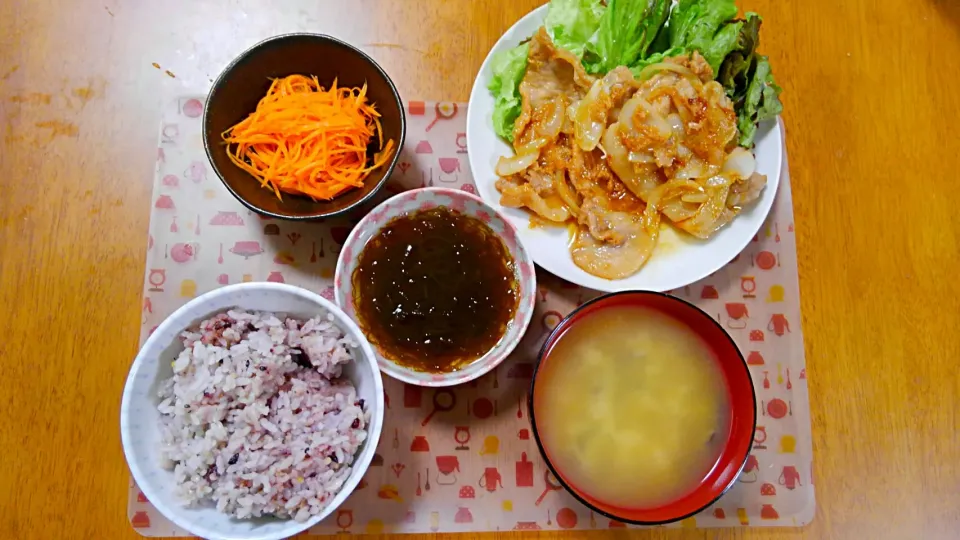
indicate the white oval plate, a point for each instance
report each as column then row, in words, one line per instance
column 679, row 258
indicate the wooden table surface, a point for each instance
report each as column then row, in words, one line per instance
column 871, row 105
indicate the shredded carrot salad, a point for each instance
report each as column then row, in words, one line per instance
column 303, row 139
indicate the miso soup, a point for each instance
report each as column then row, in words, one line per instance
column 631, row 407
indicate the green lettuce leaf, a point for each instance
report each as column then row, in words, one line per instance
column 748, row 80
column 737, row 67
column 695, row 23
column 723, row 42
column 656, row 58
column 571, row 23
column 627, row 30
column 508, row 69
column 762, row 102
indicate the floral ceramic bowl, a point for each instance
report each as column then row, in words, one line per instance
column 470, row 205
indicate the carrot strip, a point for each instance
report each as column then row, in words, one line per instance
column 303, row 139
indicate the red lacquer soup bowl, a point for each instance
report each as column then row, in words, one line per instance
column 741, row 398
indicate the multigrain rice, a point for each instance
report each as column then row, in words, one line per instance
column 256, row 417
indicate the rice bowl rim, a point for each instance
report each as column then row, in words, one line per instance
column 196, row 314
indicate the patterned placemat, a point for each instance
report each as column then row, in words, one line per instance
column 475, row 466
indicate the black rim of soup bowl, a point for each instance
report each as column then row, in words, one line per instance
column 553, row 335
column 221, row 81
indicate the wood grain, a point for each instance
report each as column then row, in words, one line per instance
column 871, row 105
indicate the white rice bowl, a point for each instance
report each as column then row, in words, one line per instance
column 221, row 443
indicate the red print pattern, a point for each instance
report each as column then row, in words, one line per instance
column 464, row 459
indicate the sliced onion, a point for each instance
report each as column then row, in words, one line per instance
column 654, row 119
column 530, row 147
column 653, row 69
column 553, row 117
column 507, row 166
column 694, row 168
column 676, row 124
column 720, row 180
column 694, row 197
column 627, row 112
column 641, row 157
column 566, row 194
column 740, row 162
column 587, row 129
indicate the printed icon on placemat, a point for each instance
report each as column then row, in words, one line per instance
column 157, row 277
column 434, row 521
column 191, row 108
column 760, row 437
column 171, row 181
column 709, row 292
column 491, row 479
column 766, row 260
column 524, row 471
column 748, row 284
column 389, row 492
column 197, row 172
column 169, row 134
column 417, row 108
column 444, row 400
column 777, row 408
column 442, row 111
column 750, row 470
column 778, row 324
column 524, row 434
column 463, row 515
column 344, row 519
column 188, row 288
column 737, row 311
column 549, row 484
column 491, row 446
column 140, row 520
column 271, row 229
column 755, row 359
column 756, row 335
column 227, row 219
column 165, row 202
column 776, row 294
column 450, row 169
column 246, row 248
column 467, row 492
column 374, row 526
column 461, row 435
column 566, row 518
column 447, row 467
column 482, row 408
column 789, row 477
column 181, row 252
column 768, row 490
column 419, row 444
